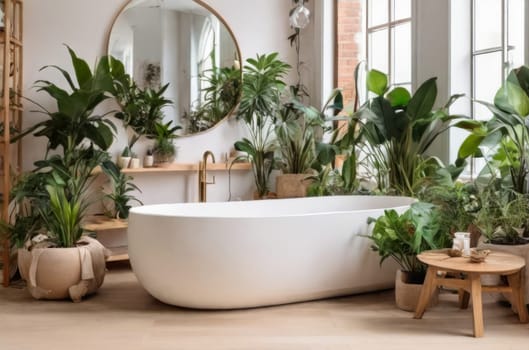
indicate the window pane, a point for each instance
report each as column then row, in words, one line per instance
column 378, row 50
column 487, row 81
column 378, row 12
column 401, row 53
column 515, row 34
column 401, row 9
column 487, row 24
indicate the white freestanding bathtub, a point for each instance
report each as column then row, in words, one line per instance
column 256, row 253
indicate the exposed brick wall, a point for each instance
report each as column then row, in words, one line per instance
column 349, row 41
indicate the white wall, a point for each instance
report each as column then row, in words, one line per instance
column 431, row 30
column 259, row 26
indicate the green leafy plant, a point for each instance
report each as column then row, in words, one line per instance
column 164, row 149
column 27, row 195
column 504, row 215
column 456, row 203
column 403, row 236
column 63, row 217
column 75, row 121
column 219, row 94
column 52, row 199
column 141, row 109
column 126, row 152
column 261, row 99
column 122, row 186
column 400, row 128
column 504, row 139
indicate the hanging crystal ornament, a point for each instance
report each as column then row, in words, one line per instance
column 299, row 16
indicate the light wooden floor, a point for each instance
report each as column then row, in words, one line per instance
column 123, row 316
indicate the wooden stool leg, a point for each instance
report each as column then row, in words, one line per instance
column 426, row 292
column 515, row 282
column 477, row 307
column 464, row 298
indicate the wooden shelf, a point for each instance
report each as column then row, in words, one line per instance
column 11, row 71
column 118, row 254
column 189, row 167
column 101, row 223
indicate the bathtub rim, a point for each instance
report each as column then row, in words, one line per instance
column 139, row 210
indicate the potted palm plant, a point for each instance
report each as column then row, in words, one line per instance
column 261, row 99
column 56, row 258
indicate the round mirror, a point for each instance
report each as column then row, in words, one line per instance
column 184, row 43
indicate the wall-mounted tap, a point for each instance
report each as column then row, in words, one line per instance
column 202, row 175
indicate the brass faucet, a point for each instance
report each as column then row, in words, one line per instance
column 202, row 175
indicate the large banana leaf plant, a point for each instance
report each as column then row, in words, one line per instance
column 399, row 128
column 504, row 139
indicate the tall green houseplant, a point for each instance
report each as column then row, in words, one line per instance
column 260, row 102
column 399, row 128
column 54, row 194
column 504, row 139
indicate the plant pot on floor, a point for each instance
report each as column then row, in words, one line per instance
column 292, row 185
column 407, row 293
column 60, row 273
column 521, row 250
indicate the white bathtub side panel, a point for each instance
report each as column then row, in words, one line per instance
column 232, row 263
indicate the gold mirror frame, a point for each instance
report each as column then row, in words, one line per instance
column 235, row 42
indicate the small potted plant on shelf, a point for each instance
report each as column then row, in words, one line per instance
column 164, row 150
column 148, row 160
column 124, row 158
column 402, row 236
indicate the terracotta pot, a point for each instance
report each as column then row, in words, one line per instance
column 292, row 185
column 59, row 273
column 407, row 294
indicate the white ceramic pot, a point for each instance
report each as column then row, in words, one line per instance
column 148, row 161
column 123, row 162
column 134, row 163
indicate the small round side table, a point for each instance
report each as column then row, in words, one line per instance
column 469, row 284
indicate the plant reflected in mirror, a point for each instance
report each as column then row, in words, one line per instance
column 186, row 49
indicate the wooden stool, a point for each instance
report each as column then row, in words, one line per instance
column 469, row 285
